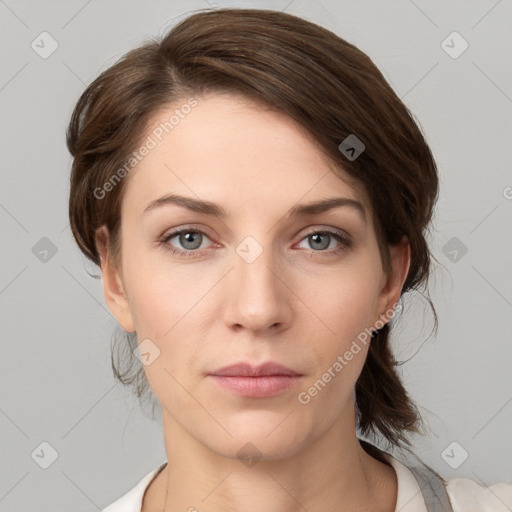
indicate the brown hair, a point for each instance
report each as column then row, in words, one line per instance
column 321, row 81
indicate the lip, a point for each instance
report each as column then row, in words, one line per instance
column 248, row 370
column 265, row 380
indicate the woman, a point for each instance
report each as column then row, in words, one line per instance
column 257, row 197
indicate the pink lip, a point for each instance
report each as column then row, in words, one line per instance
column 260, row 381
column 247, row 370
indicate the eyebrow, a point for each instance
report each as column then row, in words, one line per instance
column 301, row 210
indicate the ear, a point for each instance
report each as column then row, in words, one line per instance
column 400, row 260
column 113, row 288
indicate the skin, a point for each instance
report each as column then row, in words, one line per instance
column 297, row 303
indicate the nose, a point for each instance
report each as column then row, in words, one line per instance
column 258, row 296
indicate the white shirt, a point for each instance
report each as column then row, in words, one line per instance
column 465, row 495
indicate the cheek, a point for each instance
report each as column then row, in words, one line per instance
column 174, row 309
column 348, row 301
column 160, row 295
column 169, row 306
column 346, row 309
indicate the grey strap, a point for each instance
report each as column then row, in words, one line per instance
column 433, row 489
column 432, row 486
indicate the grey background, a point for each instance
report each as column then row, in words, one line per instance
column 56, row 381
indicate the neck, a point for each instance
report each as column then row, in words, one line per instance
column 332, row 472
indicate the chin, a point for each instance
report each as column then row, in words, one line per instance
column 261, row 435
column 250, row 450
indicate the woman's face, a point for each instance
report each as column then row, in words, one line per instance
column 257, row 284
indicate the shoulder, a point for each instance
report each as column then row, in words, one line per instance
column 466, row 495
column 420, row 488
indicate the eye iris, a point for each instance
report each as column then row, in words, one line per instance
column 315, row 238
column 188, row 237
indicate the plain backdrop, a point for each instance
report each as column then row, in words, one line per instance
column 58, row 395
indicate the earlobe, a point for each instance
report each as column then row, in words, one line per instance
column 113, row 288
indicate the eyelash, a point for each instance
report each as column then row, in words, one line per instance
column 345, row 243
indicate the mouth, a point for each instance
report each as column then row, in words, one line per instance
column 266, row 380
column 249, row 370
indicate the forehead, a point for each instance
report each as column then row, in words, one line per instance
column 231, row 149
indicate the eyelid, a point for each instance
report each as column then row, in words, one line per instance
column 187, row 227
column 328, row 229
